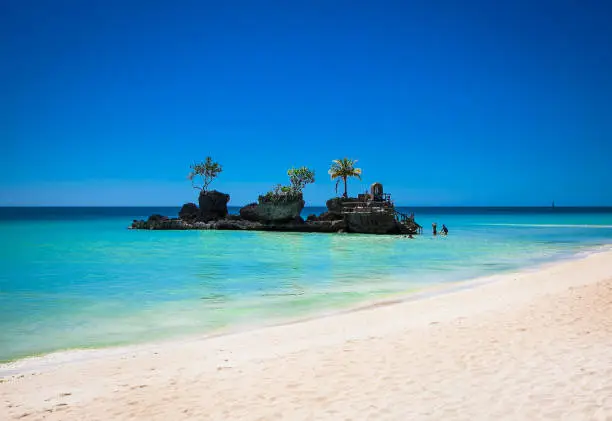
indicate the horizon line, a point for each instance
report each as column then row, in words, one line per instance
column 310, row 206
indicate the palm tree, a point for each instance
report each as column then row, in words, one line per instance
column 342, row 169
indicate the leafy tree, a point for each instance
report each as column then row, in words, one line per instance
column 300, row 177
column 342, row 169
column 207, row 171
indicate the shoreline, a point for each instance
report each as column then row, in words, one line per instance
column 529, row 345
column 32, row 363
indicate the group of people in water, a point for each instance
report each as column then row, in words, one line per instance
column 434, row 228
column 443, row 231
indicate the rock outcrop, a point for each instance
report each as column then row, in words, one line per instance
column 249, row 212
column 312, row 218
column 159, row 222
column 372, row 223
column 280, row 212
column 213, row 205
column 334, row 208
column 273, row 212
column 331, row 216
column 239, row 225
column 281, row 215
column 189, row 212
column 335, row 204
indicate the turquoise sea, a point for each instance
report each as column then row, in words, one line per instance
column 78, row 278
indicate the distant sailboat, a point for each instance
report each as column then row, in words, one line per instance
column 553, row 204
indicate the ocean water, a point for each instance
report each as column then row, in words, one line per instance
column 78, row 278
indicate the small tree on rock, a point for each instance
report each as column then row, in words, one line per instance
column 300, row 177
column 342, row 169
column 207, row 171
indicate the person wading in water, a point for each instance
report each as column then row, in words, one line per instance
column 434, row 228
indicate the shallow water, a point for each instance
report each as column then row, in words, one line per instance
column 77, row 278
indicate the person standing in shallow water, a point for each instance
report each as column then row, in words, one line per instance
column 444, row 230
column 434, row 228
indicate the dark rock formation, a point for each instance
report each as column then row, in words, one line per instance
column 334, row 204
column 338, row 226
column 331, row 216
column 159, row 222
column 312, row 218
column 297, row 225
column 189, row 212
column 273, row 212
column 213, row 205
column 234, row 224
column 249, row 212
column 156, row 217
column 410, row 227
column 368, row 220
column 372, row 223
column 280, row 212
column 300, row 226
column 282, row 215
column 334, row 208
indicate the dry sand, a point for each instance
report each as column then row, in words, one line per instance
column 529, row 346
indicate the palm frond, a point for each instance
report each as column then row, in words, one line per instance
column 342, row 169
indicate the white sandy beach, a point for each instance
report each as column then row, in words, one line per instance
column 529, row 346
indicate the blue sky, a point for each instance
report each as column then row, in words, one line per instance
column 445, row 102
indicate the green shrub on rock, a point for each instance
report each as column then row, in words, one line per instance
column 299, row 178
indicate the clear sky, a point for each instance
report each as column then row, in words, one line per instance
column 474, row 102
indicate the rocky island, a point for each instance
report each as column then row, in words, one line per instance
column 280, row 209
